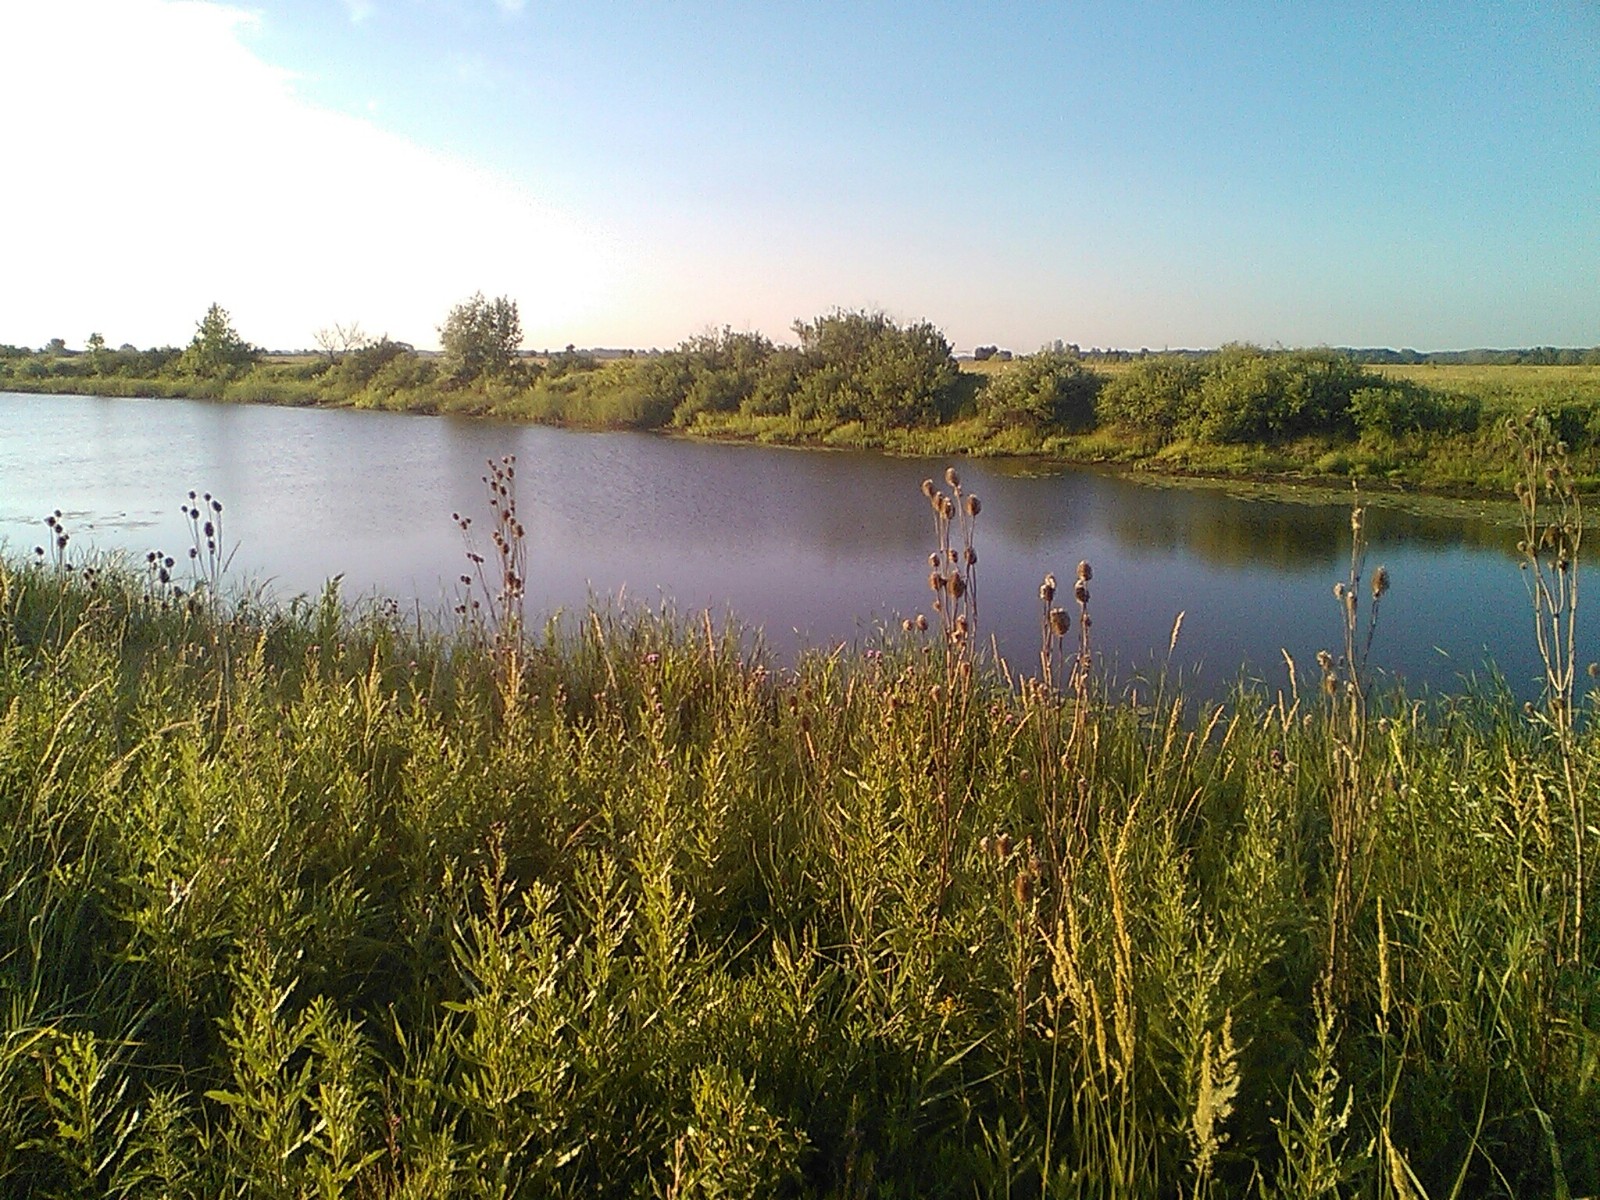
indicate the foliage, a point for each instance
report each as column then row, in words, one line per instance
column 865, row 366
column 1155, row 396
column 217, row 350
column 1396, row 408
column 1249, row 395
column 313, row 901
column 480, row 338
column 1047, row 390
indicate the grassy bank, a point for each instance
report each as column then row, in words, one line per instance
column 315, row 902
column 861, row 381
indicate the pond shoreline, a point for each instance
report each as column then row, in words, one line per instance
column 1295, row 486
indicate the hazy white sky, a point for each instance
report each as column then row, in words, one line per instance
column 1130, row 174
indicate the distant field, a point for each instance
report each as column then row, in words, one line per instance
column 1505, row 384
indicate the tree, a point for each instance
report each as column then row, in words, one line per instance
column 863, row 366
column 1049, row 389
column 337, row 340
column 55, row 346
column 217, row 348
column 480, row 338
column 97, row 352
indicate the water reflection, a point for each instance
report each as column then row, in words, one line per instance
column 817, row 547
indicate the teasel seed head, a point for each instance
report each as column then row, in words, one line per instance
column 972, row 557
column 958, row 585
column 935, row 581
column 922, row 623
column 1080, row 592
column 1024, row 886
column 1060, row 622
column 1047, row 589
column 951, row 477
column 1085, row 571
column 1325, row 661
column 1002, row 845
column 934, row 562
column 974, row 506
column 927, row 488
column 1380, row 582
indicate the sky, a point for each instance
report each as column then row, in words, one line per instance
column 1120, row 174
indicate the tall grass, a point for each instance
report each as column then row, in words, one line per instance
column 294, row 903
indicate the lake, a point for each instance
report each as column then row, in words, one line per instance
column 816, row 548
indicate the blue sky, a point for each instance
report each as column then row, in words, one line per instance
column 1131, row 174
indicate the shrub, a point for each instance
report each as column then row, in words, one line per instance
column 1156, row 396
column 1400, row 407
column 1044, row 390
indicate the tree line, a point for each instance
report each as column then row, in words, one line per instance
column 845, row 370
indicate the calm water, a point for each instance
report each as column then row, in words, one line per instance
column 816, row 548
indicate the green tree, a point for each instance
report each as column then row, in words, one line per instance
column 863, row 366
column 1155, row 396
column 97, row 352
column 1049, row 389
column 480, row 338
column 217, row 349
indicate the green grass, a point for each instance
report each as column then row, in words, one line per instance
column 315, row 902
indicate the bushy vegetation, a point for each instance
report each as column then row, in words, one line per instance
column 862, row 379
column 313, row 902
